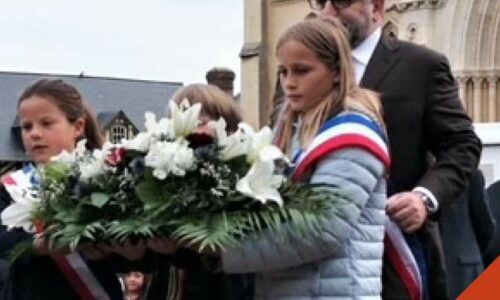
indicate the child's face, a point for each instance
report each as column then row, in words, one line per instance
column 46, row 130
column 134, row 281
column 305, row 79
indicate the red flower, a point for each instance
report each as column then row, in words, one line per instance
column 39, row 226
column 115, row 157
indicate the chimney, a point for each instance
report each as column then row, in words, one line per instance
column 223, row 78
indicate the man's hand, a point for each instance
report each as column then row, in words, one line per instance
column 407, row 210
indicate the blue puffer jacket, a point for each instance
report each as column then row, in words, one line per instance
column 345, row 262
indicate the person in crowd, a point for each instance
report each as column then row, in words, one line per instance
column 424, row 115
column 466, row 230
column 493, row 250
column 322, row 103
column 135, row 286
column 189, row 275
column 53, row 117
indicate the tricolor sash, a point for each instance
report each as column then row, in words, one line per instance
column 72, row 266
column 355, row 130
column 351, row 130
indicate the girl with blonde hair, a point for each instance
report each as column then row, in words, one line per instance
column 334, row 131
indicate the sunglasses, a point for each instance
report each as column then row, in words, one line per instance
column 337, row 4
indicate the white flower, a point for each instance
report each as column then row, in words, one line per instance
column 80, row 148
column 262, row 147
column 140, row 142
column 69, row 158
column 93, row 166
column 234, row 145
column 184, row 117
column 25, row 200
column 260, row 183
column 170, row 157
column 220, row 130
column 158, row 129
column 64, row 157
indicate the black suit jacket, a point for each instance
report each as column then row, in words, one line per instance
column 431, row 139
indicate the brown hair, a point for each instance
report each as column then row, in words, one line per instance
column 326, row 38
column 215, row 103
column 67, row 98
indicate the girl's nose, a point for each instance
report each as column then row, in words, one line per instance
column 289, row 83
column 34, row 133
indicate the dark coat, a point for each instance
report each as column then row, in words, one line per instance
column 466, row 230
column 38, row 277
column 189, row 274
column 424, row 116
column 493, row 250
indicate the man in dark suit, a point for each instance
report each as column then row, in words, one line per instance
column 424, row 119
column 467, row 229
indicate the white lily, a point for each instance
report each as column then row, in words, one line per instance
column 234, row 145
column 70, row 157
column 219, row 127
column 140, row 142
column 261, row 183
column 18, row 214
column 184, row 117
column 262, row 147
column 25, row 200
column 158, row 129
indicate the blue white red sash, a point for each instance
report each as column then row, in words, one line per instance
column 73, row 266
column 354, row 130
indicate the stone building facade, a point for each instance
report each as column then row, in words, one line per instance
column 467, row 32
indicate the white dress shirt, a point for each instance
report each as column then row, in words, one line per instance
column 363, row 52
column 361, row 56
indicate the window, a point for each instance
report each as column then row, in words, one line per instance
column 118, row 132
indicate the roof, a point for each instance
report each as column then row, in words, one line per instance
column 105, row 117
column 133, row 97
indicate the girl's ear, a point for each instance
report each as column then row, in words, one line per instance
column 79, row 128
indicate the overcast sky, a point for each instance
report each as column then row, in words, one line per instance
column 166, row 40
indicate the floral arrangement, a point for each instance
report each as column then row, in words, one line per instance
column 168, row 181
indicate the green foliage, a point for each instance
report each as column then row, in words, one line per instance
column 201, row 209
column 305, row 210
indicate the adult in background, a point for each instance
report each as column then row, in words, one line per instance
column 493, row 250
column 466, row 229
column 423, row 115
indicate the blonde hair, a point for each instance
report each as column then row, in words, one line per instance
column 327, row 39
column 215, row 103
